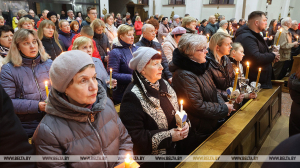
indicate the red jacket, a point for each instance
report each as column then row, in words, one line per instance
column 95, row 50
column 138, row 27
column 38, row 23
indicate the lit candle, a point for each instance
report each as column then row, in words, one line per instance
column 181, row 105
column 267, row 34
column 159, row 52
column 127, row 161
column 297, row 38
column 238, row 27
column 46, row 87
column 110, row 78
column 258, row 76
column 108, row 51
column 163, row 37
column 247, row 70
column 201, row 32
column 278, row 37
column 235, row 79
column 207, row 37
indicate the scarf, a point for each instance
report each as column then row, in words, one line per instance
column 153, row 85
column 3, row 51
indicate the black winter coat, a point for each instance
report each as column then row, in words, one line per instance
column 102, row 44
column 145, row 43
column 222, row 74
column 294, row 86
column 202, row 102
column 258, row 55
column 13, row 138
column 148, row 115
column 52, row 48
column 210, row 29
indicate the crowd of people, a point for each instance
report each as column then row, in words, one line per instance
column 57, row 74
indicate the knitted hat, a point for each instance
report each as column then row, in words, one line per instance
column 141, row 57
column 51, row 13
column 179, row 30
column 222, row 23
column 66, row 66
column 175, row 17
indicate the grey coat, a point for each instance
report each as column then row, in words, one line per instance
column 67, row 129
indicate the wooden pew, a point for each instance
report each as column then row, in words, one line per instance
column 244, row 133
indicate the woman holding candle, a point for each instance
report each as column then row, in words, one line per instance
column 48, row 35
column 101, row 40
column 119, row 58
column 220, row 65
column 272, row 30
column 80, row 119
column 148, row 108
column 23, row 75
column 236, row 57
column 86, row 45
column 193, row 83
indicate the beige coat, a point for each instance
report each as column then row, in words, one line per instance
column 169, row 46
column 285, row 43
column 111, row 33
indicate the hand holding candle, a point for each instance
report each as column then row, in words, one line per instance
column 258, row 76
column 236, row 79
column 247, row 70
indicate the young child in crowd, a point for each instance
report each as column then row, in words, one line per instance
column 129, row 22
column 236, row 57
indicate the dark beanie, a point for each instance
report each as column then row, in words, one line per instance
column 51, row 13
column 28, row 16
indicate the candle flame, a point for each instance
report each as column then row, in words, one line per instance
column 46, row 83
column 159, row 52
column 110, row 69
column 181, row 101
column 207, row 35
column 237, row 70
column 259, row 69
column 107, row 49
column 127, row 159
column 280, row 30
column 247, row 63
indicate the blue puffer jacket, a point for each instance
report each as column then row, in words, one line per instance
column 102, row 75
column 66, row 38
column 119, row 58
column 25, row 85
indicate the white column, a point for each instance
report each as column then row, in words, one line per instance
column 158, row 6
column 194, row 8
column 104, row 4
column 150, row 10
column 239, row 10
column 285, row 8
column 251, row 5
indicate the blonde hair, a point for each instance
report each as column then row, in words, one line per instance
column 217, row 39
column 14, row 55
column 235, row 47
column 123, row 29
column 187, row 20
column 106, row 17
column 24, row 20
column 137, row 17
column 81, row 41
column 62, row 21
column 1, row 18
column 22, row 13
column 98, row 23
column 47, row 23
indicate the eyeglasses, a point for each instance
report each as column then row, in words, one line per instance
column 202, row 50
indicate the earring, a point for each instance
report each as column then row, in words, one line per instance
column 66, row 94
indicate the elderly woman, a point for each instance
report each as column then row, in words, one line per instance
column 6, row 36
column 148, row 108
column 193, row 83
column 75, row 27
column 25, row 23
column 189, row 23
column 110, row 30
column 171, row 42
column 163, row 30
column 220, row 65
column 23, row 76
column 101, row 40
column 80, row 119
column 48, row 35
column 119, row 58
column 86, row 45
column 223, row 26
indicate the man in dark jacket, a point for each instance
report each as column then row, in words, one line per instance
column 65, row 34
column 149, row 34
column 13, row 138
column 256, row 49
column 92, row 15
column 211, row 28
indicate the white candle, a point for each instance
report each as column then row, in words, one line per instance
column 181, row 105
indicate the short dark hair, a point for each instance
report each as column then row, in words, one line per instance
column 156, row 56
column 87, row 30
column 203, row 21
column 241, row 20
column 5, row 28
column 256, row 14
column 90, row 8
column 164, row 18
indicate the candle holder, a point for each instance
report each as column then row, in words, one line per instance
column 244, row 85
column 275, row 48
column 232, row 95
column 254, row 88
